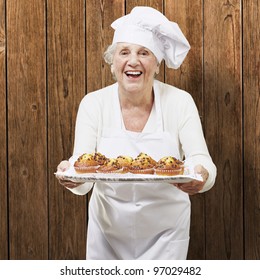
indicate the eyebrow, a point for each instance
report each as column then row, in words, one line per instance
column 127, row 46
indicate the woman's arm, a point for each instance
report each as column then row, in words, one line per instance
column 86, row 133
column 194, row 145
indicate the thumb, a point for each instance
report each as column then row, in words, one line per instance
column 63, row 166
column 201, row 170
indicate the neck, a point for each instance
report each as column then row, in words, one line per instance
column 140, row 99
column 136, row 111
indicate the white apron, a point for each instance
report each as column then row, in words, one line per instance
column 138, row 220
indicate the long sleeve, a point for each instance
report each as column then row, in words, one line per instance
column 193, row 142
column 182, row 120
column 83, row 188
column 87, row 124
column 86, row 134
column 94, row 108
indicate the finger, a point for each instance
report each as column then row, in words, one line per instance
column 72, row 185
column 68, row 184
column 199, row 169
column 63, row 166
column 190, row 188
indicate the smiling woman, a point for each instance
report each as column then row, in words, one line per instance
column 139, row 114
column 134, row 67
column 124, row 51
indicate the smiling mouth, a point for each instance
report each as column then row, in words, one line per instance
column 133, row 74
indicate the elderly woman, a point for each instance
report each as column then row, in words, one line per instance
column 140, row 114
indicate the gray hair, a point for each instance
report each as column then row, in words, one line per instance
column 109, row 54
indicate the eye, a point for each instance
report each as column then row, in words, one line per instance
column 144, row 52
column 124, row 52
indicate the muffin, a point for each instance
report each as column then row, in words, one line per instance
column 146, row 157
column 87, row 163
column 125, row 162
column 169, row 166
column 101, row 159
column 111, row 166
column 142, row 164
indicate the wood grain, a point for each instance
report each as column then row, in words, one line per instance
column 251, row 82
column 99, row 35
column 223, row 122
column 188, row 15
column 27, row 145
column 3, row 137
column 51, row 56
column 66, row 87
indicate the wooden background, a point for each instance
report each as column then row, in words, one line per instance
column 51, row 55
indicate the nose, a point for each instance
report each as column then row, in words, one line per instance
column 133, row 59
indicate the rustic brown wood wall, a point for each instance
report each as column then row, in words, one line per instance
column 51, row 55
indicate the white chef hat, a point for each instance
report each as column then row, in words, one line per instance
column 148, row 27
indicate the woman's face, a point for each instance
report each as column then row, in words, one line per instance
column 134, row 67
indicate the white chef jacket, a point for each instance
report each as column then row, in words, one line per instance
column 123, row 218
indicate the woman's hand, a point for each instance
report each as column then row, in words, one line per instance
column 62, row 167
column 194, row 186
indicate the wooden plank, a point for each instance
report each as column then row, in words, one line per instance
column 27, row 162
column 251, row 82
column 99, row 35
column 3, row 147
column 100, row 15
column 66, row 87
column 217, row 216
column 223, row 121
column 156, row 4
column 188, row 15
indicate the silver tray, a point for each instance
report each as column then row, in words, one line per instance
column 126, row 177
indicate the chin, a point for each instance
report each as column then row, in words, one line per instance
column 133, row 86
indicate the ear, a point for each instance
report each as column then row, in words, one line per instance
column 112, row 69
column 157, row 69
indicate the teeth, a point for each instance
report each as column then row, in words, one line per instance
column 133, row 73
